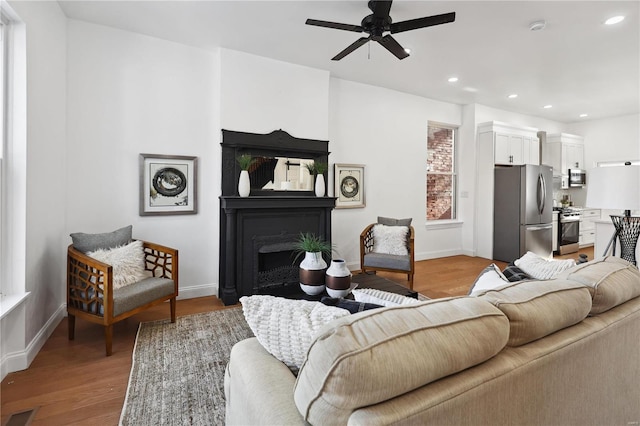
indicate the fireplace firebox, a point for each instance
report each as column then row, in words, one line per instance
column 257, row 233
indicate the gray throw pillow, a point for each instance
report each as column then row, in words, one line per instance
column 389, row 221
column 92, row 242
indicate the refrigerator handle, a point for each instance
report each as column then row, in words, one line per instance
column 539, row 193
column 544, row 193
column 539, row 228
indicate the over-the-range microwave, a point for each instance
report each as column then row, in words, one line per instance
column 577, row 178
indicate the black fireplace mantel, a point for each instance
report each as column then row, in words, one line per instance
column 275, row 202
column 244, row 221
column 273, row 218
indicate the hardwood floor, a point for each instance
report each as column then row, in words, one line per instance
column 73, row 383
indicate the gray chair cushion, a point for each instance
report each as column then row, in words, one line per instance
column 390, row 261
column 389, row 221
column 140, row 293
column 91, row 242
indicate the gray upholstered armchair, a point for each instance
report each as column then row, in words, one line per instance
column 388, row 246
column 106, row 293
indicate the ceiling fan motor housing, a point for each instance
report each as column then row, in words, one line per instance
column 376, row 26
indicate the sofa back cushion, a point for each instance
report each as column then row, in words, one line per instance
column 376, row 355
column 611, row 281
column 538, row 308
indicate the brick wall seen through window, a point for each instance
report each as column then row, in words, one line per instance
column 441, row 173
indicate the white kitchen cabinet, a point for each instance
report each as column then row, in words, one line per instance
column 588, row 218
column 511, row 145
column 564, row 151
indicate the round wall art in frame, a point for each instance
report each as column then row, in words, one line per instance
column 168, row 184
column 349, row 185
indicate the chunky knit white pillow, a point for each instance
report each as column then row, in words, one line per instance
column 383, row 298
column 541, row 268
column 127, row 262
column 390, row 239
column 286, row 327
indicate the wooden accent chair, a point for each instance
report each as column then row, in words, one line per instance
column 91, row 295
column 371, row 260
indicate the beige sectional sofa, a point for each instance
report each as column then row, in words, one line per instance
column 558, row 352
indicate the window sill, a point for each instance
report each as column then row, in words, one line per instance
column 9, row 303
column 444, row 224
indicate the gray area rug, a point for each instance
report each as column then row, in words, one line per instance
column 177, row 376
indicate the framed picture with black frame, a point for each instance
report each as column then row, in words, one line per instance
column 349, row 186
column 168, row 184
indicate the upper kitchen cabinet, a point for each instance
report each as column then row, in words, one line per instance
column 564, row 151
column 511, row 145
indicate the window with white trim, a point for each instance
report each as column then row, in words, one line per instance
column 441, row 172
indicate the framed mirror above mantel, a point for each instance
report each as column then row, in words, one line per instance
column 280, row 162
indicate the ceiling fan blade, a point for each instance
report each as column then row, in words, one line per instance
column 429, row 21
column 393, row 46
column 380, row 9
column 353, row 46
column 335, row 25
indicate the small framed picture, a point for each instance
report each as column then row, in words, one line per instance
column 168, row 184
column 349, row 186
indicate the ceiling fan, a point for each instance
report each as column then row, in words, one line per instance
column 380, row 22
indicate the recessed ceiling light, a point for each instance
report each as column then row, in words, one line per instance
column 584, row 115
column 547, row 106
column 452, row 79
column 513, row 96
column 614, row 20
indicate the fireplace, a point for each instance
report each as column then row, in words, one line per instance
column 257, row 233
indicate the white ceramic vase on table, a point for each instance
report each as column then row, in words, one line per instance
column 338, row 280
column 312, row 273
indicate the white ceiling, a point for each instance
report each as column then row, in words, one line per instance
column 576, row 63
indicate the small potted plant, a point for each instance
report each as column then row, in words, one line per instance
column 244, row 185
column 313, row 266
column 317, row 169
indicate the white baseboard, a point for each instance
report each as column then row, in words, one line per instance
column 20, row 360
column 194, row 291
column 437, row 254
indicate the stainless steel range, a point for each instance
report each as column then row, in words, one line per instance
column 568, row 230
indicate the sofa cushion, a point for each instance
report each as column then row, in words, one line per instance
column 383, row 298
column 540, row 268
column 611, row 281
column 91, row 242
column 127, row 263
column 286, row 327
column 538, row 308
column 390, row 239
column 389, row 221
column 412, row 345
column 489, row 278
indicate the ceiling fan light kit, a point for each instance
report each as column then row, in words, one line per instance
column 379, row 23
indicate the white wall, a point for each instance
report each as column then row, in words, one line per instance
column 260, row 95
column 130, row 94
column 387, row 132
column 608, row 139
column 46, row 186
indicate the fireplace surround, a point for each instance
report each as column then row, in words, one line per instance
column 257, row 233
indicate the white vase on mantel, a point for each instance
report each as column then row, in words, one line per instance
column 320, row 187
column 244, row 186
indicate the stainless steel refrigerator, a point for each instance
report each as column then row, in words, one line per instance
column 522, row 211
